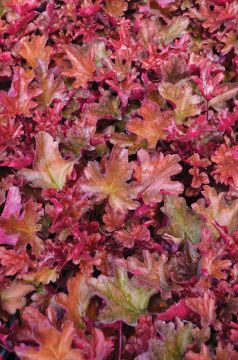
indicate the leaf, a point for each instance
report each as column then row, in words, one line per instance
column 205, row 307
column 174, row 29
column 203, row 355
column 107, row 108
column 115, row 8
column 153, row 175
column 18, row 100
column 52, row 88
column 124, row 301
column 83, row 64
column 172, row 344
column 186, row 104
column 13, row 297
column 112, row 183
column 53, row 344
column 25, row 227
column 12, row 207
column 217, row 210
column 77, row 300
column 136, row 233
column 154, row 124
column 229, row 92
column 183, row 222
column 43, row 276
column 35, row 52
column 13, row 262
column 13, row 203
column 226, row 170
column 151, row 273
column 212, row 265
column 50, row 171
column 102, row 346
column 179, row 310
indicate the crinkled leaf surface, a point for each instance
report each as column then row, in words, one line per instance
column 124, row 301
column 112, row 183
column 183, row 222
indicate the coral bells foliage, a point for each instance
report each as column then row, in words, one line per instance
column 119, row 179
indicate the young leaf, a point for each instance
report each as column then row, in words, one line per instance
column 154, row 124
column 183, row 222
column 124, row 301
column 112, row 183
column 153, row 175
column 50, row 171
column 181, row 96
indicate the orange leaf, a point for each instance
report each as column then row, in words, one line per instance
column 77, row 300
column 226, row 169
column 42, row 276
column 153, row 176
column 13, row 297
column 49, row 169
column 112, row 183
column 35, row 52
column 53, row 345
column 115, row 7
column 25, row 227
column 180, row 95
column 18, row 100
column 154, row 123
column 83, row 64
column 52, row 88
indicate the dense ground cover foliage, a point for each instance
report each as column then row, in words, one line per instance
column 119, row 179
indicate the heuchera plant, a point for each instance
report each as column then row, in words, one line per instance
column 118, row 179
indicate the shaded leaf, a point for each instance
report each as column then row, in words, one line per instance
column 183, row 222
column 172, row 344
column 181, row 96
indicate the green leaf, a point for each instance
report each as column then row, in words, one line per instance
column 124, row 301
column 172, row 344
column 184, row 223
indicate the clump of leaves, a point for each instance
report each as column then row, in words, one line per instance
column 119, row 180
